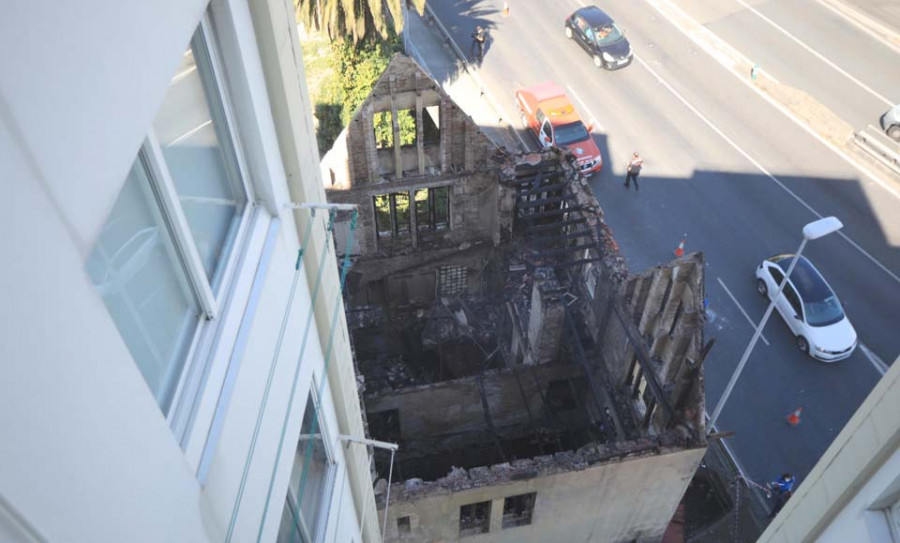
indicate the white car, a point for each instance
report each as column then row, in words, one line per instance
column 809, row 307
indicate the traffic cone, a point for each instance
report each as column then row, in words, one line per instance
column 506, row 9
column 679, row 251
column 794, row 418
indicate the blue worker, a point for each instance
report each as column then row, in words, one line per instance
column 783, row 488
column 783, row 484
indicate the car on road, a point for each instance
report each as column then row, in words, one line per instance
column 599, row 35
column 809, row 307
column 551, row 117
column 890, row 123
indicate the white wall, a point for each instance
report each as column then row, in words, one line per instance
column 86, row 453
column 857, row 521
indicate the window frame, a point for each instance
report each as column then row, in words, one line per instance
column 204, row 380
column 211, row 294
column 427, row 218
column 330, row 474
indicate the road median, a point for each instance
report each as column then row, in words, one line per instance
column 804, row 109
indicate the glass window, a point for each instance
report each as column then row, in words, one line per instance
column 824, row 312
column 607, row 34
column 776, row 274
column 547, row 132
column 793, row 299
column 310, row 484
column 137, row 271
column 193, row 136
column 571, row 133
column 159, row 260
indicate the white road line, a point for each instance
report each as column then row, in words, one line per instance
column 879, row 364
column 764, row 95
column 746, row 316
column 860, row 26
column 759, row 166
column 583, row 105
column 815, row 53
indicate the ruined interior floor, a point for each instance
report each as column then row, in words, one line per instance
column 520, row 411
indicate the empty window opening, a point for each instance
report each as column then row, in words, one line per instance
column 392, row 214
column 560, row 395
column 384, row 130
column 406, row 122
column 431, row 124
column 383, row 220
column 452, row 280
column 517, row 510
column 400, row 203
column 385, row 425
column 676, row 318
column 403, row 525
column 474, row 519
column 432, row 209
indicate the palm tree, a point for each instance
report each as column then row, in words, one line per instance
column 354, row 20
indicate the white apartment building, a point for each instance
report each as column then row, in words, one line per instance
column 173, row 368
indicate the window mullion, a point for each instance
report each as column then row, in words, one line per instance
column 181, row 230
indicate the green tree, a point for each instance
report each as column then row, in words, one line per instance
column 354, row 20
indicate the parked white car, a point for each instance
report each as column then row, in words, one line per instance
column 809, row 307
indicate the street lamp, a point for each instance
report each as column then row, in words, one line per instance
column 811, row 231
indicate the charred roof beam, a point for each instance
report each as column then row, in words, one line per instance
column 552, row 213
column 557, row 224
column 540, row 189
column 546, row 201
column 567, row 250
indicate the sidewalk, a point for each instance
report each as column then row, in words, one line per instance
column 433, row 50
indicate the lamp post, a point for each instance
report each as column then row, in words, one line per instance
column 811, row 231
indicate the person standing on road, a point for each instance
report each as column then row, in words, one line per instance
column 783, row 488
column 478, row 39
column 634, row 170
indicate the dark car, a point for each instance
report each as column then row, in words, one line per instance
column 598, row 34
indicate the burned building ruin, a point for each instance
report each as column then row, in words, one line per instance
column 538, row 390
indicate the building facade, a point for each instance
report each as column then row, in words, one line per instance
column 176, row 363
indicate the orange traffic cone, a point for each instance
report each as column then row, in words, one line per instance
column 506, row 9
column 794, row 418
column 679, row 251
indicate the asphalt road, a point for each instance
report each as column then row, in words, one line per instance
column 807, row 46
column 740, row 178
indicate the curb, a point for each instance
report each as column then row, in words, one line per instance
column 865, row 22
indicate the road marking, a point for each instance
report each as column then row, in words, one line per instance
column 746, row 316
column 759, row 166
column 879, row 364
column 815, row 53
column 853, row 20
column 715, row 53
column 585, row 108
